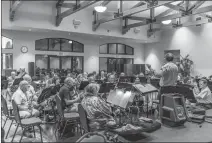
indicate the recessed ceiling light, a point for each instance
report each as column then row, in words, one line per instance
column 100, row 37
column 100, row 8
column 166, row 22
column 69, row 33
column 70, row 42
column 30, row 29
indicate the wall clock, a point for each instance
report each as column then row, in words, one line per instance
column 24, row 49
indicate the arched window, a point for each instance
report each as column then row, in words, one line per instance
column 6, row 58
column 116, row 48
column 59, row 44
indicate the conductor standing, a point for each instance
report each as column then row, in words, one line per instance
column 168, row 73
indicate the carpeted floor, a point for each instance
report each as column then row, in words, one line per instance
column 190, row 132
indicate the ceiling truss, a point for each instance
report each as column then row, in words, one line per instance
column 13, row 8
column 184, row 9
column 73, row 8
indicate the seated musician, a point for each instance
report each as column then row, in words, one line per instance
column 11, row 78
column 24, row 101
column 66, row 97
column 102, row 75
column 31, row 89
column 141, row 74
column 85, row 76
column 137, row 81
column 91, row 78
column 204, row 96
column 95, row 75
column 56, row 85
column 210, row 78
column 122, row 74
column 111, row 78
column 10, row 83
column 99, row 113
column 22, row 72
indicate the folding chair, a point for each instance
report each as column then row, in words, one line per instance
column 69, row 118
column 25, row 123
column 83, row 119
column 7, row 114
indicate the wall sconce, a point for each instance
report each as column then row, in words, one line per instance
column 76, row 23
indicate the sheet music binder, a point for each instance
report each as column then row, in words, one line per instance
column 145, row 88
column 17, row 81
column 83, row 84
column 126, row 79
column 120, row 98
column 46, row 93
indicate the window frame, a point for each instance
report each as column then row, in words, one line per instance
column 60, row 60
column 48, row 45
column 8, row 38
column 125, row 47
column 2, row 60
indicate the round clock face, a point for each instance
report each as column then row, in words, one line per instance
column 24, row 49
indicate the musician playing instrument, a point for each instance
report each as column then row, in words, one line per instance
column 24, row 101
column 22, row 72
column 204, row 96
column 67, row 97
column 99, row 113
column 111, row 78
column 102, row 75
column 11, row 78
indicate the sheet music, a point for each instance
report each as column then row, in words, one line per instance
column 145, row 88
column 119, row 98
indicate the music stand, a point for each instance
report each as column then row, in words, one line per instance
column 106, row 87
column 83, row 84
column 46, row 93
column 98, row 81
column 125, row 79
column 143, row 79
column 17, row 81
column 62, row 79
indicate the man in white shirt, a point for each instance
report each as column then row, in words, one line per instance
column 204, row 96
column 168, row 73
column 24, row 102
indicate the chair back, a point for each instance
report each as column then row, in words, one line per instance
column 59, row 106
column 83, row 118
column 4, row 106
column 16, row 112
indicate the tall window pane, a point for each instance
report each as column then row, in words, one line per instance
column 129, row 50
column 103, row 49
column 54, row 44
column 6, row 43
column 7, row 61
column 41, row 44
column 77, row 63
column 66, row 62
column 103, row 64
column 54, row 62
column 112, row 48
column 41, row 61
column 121, row 49
column 66, row 45
column 77, row 47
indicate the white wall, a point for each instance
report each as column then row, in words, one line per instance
column 195, row 41
column 91, row 48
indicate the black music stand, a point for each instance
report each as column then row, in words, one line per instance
column 125, row 85
column 46, row 93
column 98, row 81
column 106, row 87
column 83, row 84
column 62, row 79
column 125, row 79
column 155, row 82
column 17, row 81
column 143, row 79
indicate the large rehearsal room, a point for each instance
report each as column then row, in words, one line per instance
column 106, row 71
